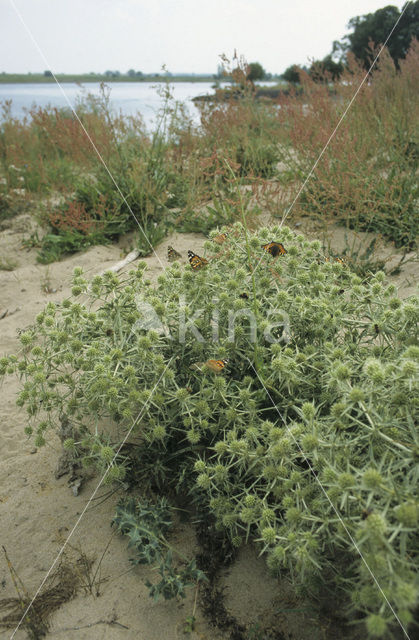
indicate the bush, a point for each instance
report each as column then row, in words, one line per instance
column 243, row 131
column 303, row 441
column 49, row 152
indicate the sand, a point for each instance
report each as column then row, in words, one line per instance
column 37, row 511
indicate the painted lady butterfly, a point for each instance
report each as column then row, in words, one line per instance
column 172, row 254
column 221, row 238
column 195, row 261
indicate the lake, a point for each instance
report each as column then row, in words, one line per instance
column 128, row 97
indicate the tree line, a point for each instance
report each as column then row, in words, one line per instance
column 367, row 31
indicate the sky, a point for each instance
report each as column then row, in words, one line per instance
column 80, row 36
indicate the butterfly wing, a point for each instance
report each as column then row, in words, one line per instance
column 172, row 254
column 274, row 248
column 196, row 261
column 221, row 238
column 340, row 260
column 216, row 365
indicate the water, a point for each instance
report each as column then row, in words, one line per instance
column 129, row 97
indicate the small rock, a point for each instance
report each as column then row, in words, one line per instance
column 34, row 450
column 75, row 486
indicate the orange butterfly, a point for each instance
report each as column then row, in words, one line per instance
column 274, row 248
column 195, row 261
column 172, row 254
column 221, row 238
column 216, row 366
column 341, row 260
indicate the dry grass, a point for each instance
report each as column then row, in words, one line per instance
column 61, row 586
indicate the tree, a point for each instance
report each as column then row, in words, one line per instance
column 255, row 71
column 326, row 69
column 48, row 74
column 131, row 73
column 375, row 27
column 291, row 74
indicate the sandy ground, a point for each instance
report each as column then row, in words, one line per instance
column 37, row 512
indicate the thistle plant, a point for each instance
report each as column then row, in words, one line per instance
column 305, row 443
column 146, row 526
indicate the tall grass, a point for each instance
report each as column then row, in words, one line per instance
column 178, row 176
column 367, row 177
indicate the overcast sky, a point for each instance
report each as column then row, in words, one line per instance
column 185, row 35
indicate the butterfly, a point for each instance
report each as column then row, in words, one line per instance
column 172, row 254
column 195, row 261
column 216, row 366
column 274, row 248
column 340, row 260
column 221, row 238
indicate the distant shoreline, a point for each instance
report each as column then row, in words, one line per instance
column 74, row 78
column 224, row 95
column 40, row 78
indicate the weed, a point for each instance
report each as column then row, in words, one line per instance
column 178, row 175
column 61, row 587
column 8, row 264
column 90, row 579
column 366, row 178
column 33, row 241
column 189, row 625
column 146, row 525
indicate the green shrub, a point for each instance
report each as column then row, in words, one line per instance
column 146, row 525
column 306, row 439
column 50, row 152
column 99, row 212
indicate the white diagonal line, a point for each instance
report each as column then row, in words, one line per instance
column 59, row 554
column 342, row 117
column 41, row 53
column 329, row 500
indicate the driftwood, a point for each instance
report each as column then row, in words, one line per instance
column 5, row 314
column 133, row 255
